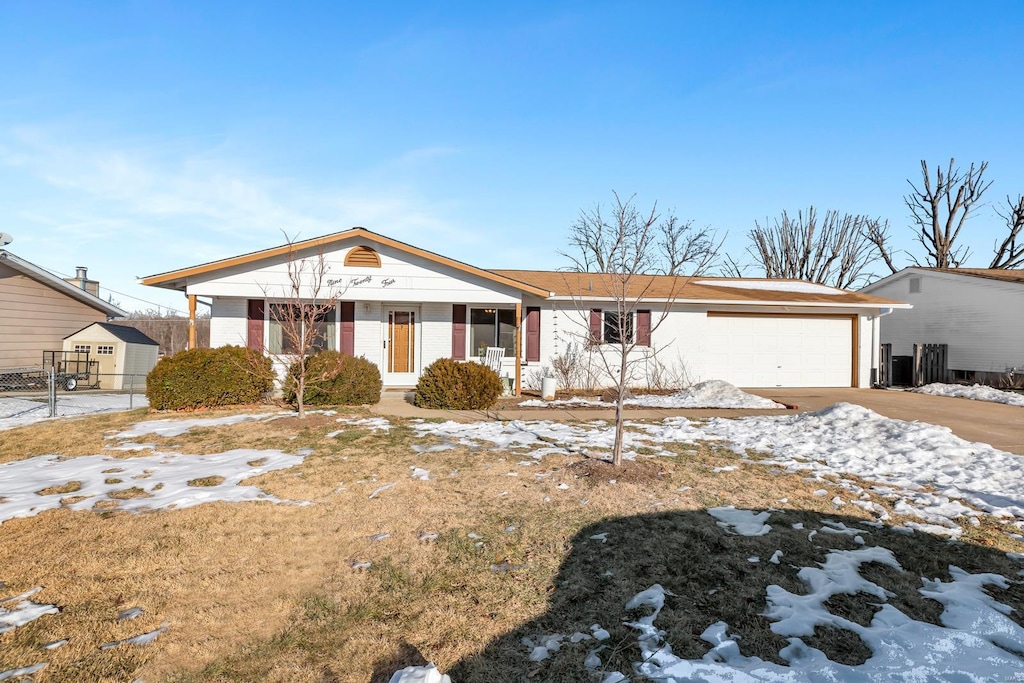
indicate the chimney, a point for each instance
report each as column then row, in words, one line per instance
column 82, row 281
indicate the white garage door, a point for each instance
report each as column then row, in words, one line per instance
column 780, row 351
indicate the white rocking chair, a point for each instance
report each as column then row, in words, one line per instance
column 493, row 358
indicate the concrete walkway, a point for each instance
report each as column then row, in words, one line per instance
column 1000, row 425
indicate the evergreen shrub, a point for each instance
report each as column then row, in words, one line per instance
column 451, row 385
column 207, row 378
column 334, row 379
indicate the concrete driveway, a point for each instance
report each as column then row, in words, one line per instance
column 992, row 423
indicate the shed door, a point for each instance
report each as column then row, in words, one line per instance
column 779, row 350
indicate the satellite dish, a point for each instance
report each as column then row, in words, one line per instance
column 5, row 239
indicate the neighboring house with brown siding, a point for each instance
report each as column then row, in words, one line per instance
column 38, row 309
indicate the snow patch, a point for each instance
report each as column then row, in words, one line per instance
column 977, row 392
column 162, row 480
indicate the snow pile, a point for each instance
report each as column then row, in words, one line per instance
column 161, row 481
column 977, row 392
column 18, row 412
column 711, row 394
column 850, row 439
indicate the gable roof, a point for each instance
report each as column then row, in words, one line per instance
column 1013, row 276
column 125, row 333
column 989, row 273
column 50, row 280
column 597, row 286
column 177, row 279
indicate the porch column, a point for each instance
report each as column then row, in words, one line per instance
column 191, row 321
column 519, row 348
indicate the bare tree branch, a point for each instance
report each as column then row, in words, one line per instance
column 1010, row 254
column 834, row 251
column 681, row 244
column 877, row 232
column 730, row 267
column 940, row 209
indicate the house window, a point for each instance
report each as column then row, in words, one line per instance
column 492, row 327
column 103, row 350
column 83, row 348
column 287, row 328
column 915, row 285
column 618, row 328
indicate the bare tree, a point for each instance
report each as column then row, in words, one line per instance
column 169, row 330
column 677, row 243
column 300, row 313
column 1010, row 253
column 628, row 247
column 835, row 250
column 941, row 207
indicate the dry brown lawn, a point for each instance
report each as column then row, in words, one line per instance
column 268, row 592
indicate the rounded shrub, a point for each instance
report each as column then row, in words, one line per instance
column 207, row 378
column 334, row 379
column 451, row 385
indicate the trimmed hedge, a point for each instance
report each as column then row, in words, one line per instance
column 451, row 385
column 334, row 379
column 207, row 378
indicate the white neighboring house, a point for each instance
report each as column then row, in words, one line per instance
column 403, row 307
column 123, row 354
column 977, row 312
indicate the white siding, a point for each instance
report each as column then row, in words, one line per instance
column 980, row 319
column 683, row 345
column 369, row 339
column 402, row 277
column 228, row 322
column 435, row 333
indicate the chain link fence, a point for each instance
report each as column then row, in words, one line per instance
column 30, row 394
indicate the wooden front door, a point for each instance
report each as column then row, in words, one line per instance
column 400, row 347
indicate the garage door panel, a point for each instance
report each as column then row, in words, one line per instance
column 789, row 351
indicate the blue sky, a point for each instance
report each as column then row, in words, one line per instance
column 140, row 137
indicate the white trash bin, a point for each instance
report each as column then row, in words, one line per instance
column 547, row 388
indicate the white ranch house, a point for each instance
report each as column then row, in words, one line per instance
column 403, row 307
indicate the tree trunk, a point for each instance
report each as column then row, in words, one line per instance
column 619, row 417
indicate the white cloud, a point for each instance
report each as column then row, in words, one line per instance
column 130, row 210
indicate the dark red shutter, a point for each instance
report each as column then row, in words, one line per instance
column 643, row 328
column 348, row 328
column 255, row 315
column 595, row 326
column 459, row 331
column 532, row 334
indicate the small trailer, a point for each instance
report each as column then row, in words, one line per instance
column 71, row 370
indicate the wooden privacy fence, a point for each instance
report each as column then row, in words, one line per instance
column 930, row 363
column 885, row 366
